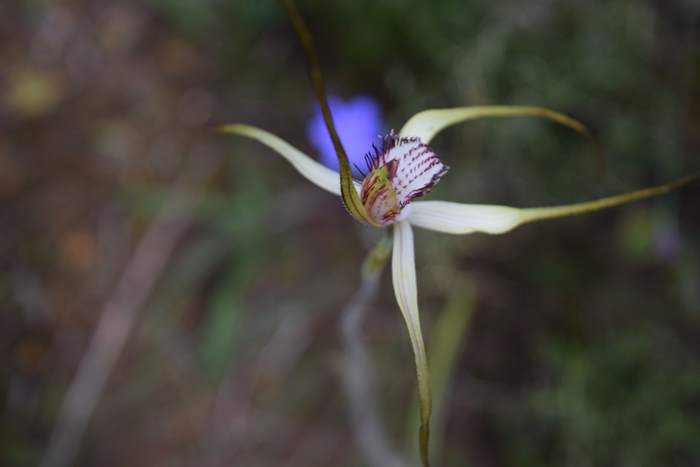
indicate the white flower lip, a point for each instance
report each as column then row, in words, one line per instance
column 418, row 169
column 404, row 169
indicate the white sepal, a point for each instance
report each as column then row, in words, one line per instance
column 316, row 173
column 459, row 218
column 403, row 270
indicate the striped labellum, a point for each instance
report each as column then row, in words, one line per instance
column 402, row 170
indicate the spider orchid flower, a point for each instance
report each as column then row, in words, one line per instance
column 406, row 168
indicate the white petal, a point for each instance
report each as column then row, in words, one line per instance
column 458, row 218
column 316, row 173
column 426, row 124
column 403, row 270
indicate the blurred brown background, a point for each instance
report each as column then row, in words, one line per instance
column 577, row 342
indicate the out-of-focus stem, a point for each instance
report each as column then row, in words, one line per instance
column 357, row 372
column 118, row 316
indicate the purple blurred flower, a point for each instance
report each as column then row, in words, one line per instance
column 359, row 123
column 668, row 243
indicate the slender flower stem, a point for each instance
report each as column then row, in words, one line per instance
column 357, row 370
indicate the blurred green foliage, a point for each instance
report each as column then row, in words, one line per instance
column 626, row 401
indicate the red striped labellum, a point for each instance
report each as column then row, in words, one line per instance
column 402, row 170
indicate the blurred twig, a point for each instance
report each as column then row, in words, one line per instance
column 357, row 371
column 119, row 314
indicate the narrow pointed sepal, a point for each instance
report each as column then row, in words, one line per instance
column 316, row 173
column 458, row 218
column 404, row 277
column 348, row 191
column 428, row 123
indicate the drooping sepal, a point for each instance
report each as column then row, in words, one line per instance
column 403, row 268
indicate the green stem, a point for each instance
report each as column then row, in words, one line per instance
column 350, row 197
